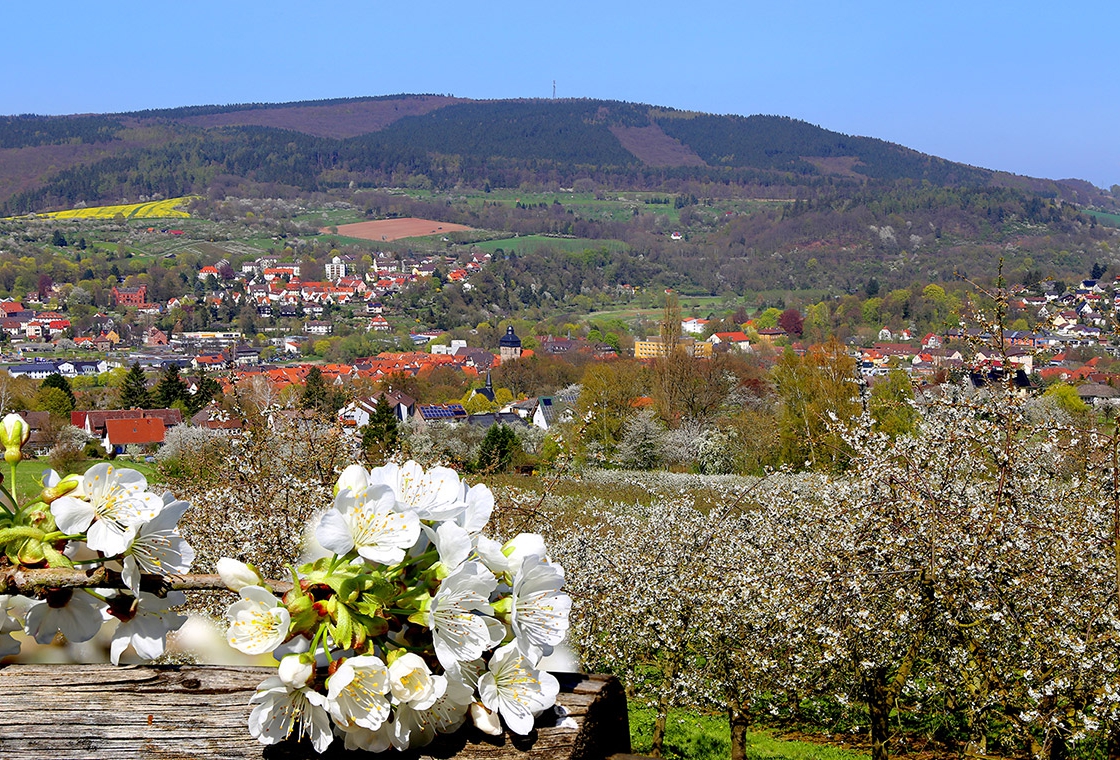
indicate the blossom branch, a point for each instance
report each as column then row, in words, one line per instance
column 38, row 581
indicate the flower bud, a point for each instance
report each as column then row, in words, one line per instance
column 14, row 432
column 354, row 478
column 237, row 575
column 30, row 553
column 485, row 721
column 61, row 488
column 296, row 670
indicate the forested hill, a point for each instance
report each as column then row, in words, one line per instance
column 442, row 141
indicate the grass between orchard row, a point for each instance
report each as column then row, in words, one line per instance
column 692, row 736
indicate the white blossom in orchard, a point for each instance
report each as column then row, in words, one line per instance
column 107, row 503
column 539, row 614
column 485, row 721
column 237, row 575
column 461, row 618
column 104, row 520
column 516, row 690
column 367, row 520
column 281, row 710
column 73, row 612
column 357, row 693
column 434, row 494
column 258, row 623
column 480, row 505
column 155, row 547
column 455, row 539
column 452, row 543
column 145, row 621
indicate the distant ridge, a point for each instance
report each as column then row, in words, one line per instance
column 335, row 119
column 441, row 141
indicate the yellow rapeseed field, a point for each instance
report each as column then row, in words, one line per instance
column 168, row 209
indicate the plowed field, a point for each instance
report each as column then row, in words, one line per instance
column 395, row 229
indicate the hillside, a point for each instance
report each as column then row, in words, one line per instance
column 441, row 142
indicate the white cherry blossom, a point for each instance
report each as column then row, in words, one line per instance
column 411, row 682
column 516, row 690
column 539, row 616
column 237, row 575
column 416, row 727
column 145, row 621
column 354, row 478
column 505, row 559
column 73, row 612
column 435, row 494
column 155, row 547
column 370, row 740
column 281, row 710
column 357, row 693
column 460, row 615
column 105, row 505
column 258, row 623
column 367, row 520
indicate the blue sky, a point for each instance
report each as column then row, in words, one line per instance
column 1028, row 87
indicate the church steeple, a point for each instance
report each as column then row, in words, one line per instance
column 509, row 347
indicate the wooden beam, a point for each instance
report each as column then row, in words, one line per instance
column 66, row 712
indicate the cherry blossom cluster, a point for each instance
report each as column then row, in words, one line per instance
column 106, row 519
column 406, row 622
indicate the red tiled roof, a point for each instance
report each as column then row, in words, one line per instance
column 142, row 430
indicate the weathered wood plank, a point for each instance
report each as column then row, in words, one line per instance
column 166, row 712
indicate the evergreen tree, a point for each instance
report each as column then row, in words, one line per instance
column 58, row 381
column 134, row 390
column 381, row 436
column 171, row 388
column 207, row 390
column 495, row 454
column 317, row 396
column 314, row 391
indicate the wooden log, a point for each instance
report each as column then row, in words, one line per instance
column 163, row 712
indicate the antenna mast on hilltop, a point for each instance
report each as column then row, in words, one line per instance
column 554, row 89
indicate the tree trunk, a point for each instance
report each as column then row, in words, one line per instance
column 1059, row 750
column 878, row 712
column 739, row 724
column 1114, row 742
column 657, row 743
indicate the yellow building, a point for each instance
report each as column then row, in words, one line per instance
column 654, row 348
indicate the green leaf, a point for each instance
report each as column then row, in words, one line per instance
column 343, row 629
